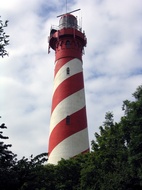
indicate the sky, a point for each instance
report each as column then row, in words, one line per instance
column 112, row 65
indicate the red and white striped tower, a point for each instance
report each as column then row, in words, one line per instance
column 68, row 125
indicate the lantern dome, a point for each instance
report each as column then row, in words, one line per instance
column 68, row 21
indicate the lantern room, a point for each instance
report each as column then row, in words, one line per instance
column 68, row 21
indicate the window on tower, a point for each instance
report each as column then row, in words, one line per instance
column 68, row 120
column 68, row 70
column 68, row 44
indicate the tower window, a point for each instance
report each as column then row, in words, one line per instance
column 68, row 70
column 67, row 120
column 68, row 43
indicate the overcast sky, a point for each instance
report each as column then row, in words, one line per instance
column 112, row 64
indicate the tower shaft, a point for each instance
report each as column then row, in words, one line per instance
column 68, row 124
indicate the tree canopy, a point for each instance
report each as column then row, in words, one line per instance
column 117, row 150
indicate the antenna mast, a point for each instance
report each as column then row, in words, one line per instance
column 66, row 6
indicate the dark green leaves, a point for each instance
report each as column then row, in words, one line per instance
column 4, row 38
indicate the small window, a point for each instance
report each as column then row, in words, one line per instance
column 67, row 120
column 68, row 44
column 68, row 70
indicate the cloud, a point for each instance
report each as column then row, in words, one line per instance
column 112, row 65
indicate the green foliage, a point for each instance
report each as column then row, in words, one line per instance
column 21, row 174
column 4, row 41
column 30, row 172
column 7, row 160
column 116, row 161
column 132, row 127
column 106, row 164
column 6, row 156
column 67, row 174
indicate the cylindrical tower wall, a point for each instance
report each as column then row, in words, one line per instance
column 68, row 123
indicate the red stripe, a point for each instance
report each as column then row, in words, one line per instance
column 66, row 88
column 62, row 131
column 60, row 63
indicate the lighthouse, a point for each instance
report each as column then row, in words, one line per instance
column 68, row 134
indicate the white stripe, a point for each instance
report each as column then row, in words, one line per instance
column 68, row 106
column 70, row 147
column 75, row 66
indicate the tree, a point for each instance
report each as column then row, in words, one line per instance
column 6, row 156
column 31, row 172
column 116, row 158
column 3, row 38
column 107, row 164
column 7, row 160
column 21, row 174
column 131, row 124
column 68, row 174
